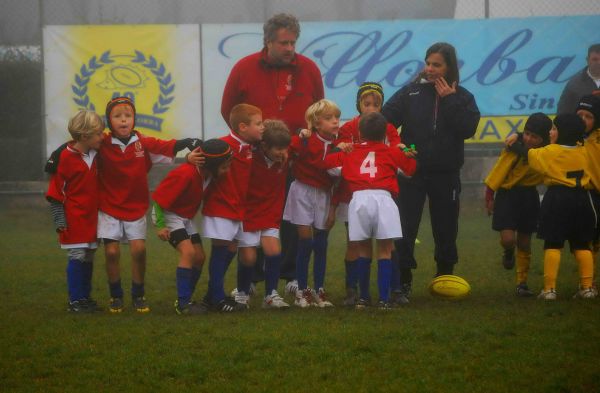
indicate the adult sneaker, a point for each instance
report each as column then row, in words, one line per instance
column 274, row 301
column 242, row 298
column 361, row 304
column 547, row 295
column 115, row 304
column 320, row 299
column 523, row 290
column 304, row 298
column 351, row 297
column 291, row 287
column 140, row 305
column 585, row 293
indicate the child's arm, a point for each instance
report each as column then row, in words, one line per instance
column 159, row 222
column 489, row 200
column 58, row 215
column 54, row 159
column 187, row 143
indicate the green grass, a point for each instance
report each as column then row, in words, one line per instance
column 488, row 342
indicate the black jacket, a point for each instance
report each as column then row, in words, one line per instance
column 436, row 126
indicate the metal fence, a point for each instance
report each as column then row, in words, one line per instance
column 21, row 22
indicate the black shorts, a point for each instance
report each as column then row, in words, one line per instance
column 516, row 209
column 596, row 203
column 567, row 214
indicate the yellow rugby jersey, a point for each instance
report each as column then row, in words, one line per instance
column 511, row 170
column 561, row 165
column 592, row 146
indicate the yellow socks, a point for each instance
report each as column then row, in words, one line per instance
column 551, row 264
column 586, row 267
column 523, row 260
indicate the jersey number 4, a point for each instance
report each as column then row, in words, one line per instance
column 368, row 165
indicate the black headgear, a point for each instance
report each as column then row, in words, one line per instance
column 368, row 87
column 591, row 103
column 570, row 129
column 540, row 125
column 118, row 101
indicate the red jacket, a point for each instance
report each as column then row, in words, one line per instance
column 349, row 133
column 308, row 165
column 123, row 174
column 181, row 191
column 75, row 185
column 266, row 194
column 225, row 196
column 254, row 81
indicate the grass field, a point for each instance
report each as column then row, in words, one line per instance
column 489, row 342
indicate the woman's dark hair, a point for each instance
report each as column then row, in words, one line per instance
column 449, row 54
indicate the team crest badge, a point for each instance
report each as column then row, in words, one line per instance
column 138, row 76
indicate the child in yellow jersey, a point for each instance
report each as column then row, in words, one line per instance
column 516, row 203
column 589, row 111
column 566, row 211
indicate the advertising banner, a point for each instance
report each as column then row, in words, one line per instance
column 513, row 66
column 157, row 66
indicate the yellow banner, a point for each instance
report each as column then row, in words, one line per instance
column 157, row 66
column 495, row 129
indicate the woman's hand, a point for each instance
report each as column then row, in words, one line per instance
column 443, row 88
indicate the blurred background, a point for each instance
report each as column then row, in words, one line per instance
column 22, row 147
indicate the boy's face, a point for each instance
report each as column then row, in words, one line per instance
column 588, row 119
column 276, row 154
column 531, row 140
column 252, row 132
column 369, row 103
column 121, row 120
column 553, row 134
column 93, row 141
column 223, row 168
column 328, row 125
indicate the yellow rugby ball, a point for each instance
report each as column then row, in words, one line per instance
column 449, row 287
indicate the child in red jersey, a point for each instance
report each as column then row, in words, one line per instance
column 224, row 208
column 369, row 98
column 371, row 170
column 264, row 205
column 125, row 158
column 73, row 196
column 176, row 201
column 308, row 200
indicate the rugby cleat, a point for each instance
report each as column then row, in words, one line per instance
column 116, row 305
column 228, row 305
column 291, row 287
column 523, row 290
column 191, row 308
column 547, row 295
column 508, row 259
column 81, row 307
column 361, row 304
column 274, row 301
column 304, row 298
column 320, row 299
column 351, row 297
column 140, row 305
column 242, row 298
column 585, row 293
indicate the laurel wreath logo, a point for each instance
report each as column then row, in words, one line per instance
column 166, row 86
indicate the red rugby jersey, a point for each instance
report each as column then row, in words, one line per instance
column 349, row 132
column 266, row 193
column 372, row 166
column 75, row 185
column 308, row 155
column 181, row 191
column 225, row 196
column 123, row 173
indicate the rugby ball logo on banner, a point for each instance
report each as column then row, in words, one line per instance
column 156, row 66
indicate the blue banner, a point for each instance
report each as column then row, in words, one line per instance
column 513, row 66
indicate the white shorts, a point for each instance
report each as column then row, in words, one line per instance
column 222, row 228
column 110, row 227
column 373, row 214
column 307, row 205
column 252, row 239
column 341, row 213
column 173, row 221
